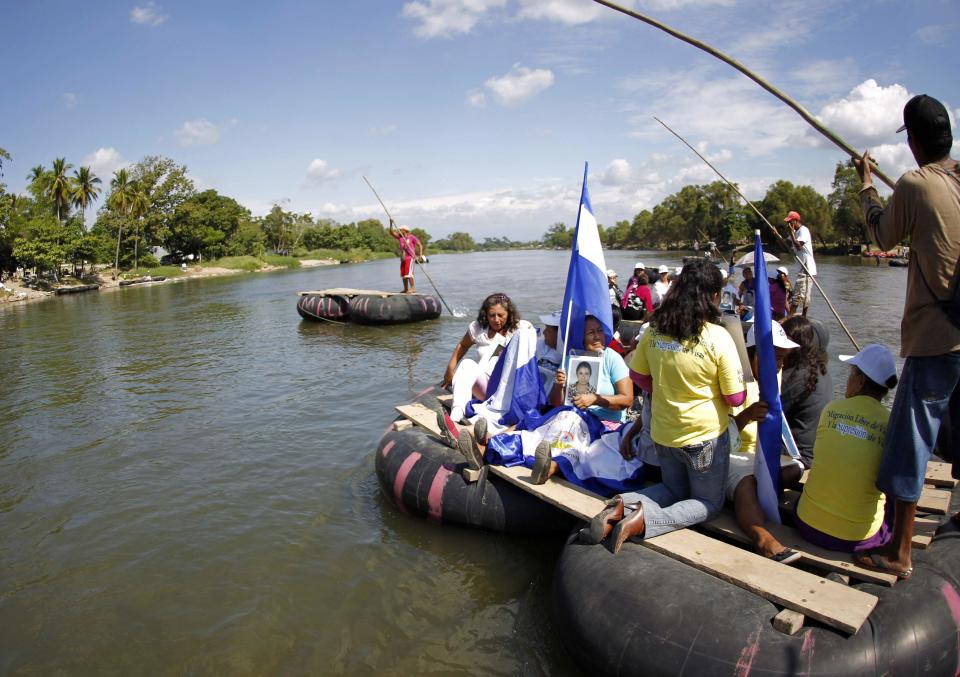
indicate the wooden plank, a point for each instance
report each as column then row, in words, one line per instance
column 826, row 601
column 445, row 400
column 349, row 292
column 725, row 524
column 830, row 603
column 938, row 475
column 788, row 621
column 934, row 501
column 470, row 475
column 556, row 491
column 402, row 424
column 419, row 414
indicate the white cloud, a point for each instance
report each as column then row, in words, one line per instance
column 319, row 171
column 104, row 162
column 70, row 99
column 148, row 15
column 935, row 34
column 869, row 115
column 827, row 77
column 476, row 98
column 894, row 159
column 569, row 12
column 383, row 131
column 447, row 18
column 199, row 132
column 519, row 85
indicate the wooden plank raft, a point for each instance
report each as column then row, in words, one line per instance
column 350, row 292
column 831, row 603
column 938, row 475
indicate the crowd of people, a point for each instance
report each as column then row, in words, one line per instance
column 694, row 378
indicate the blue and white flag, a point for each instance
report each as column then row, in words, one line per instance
column 766, row 464
column 587, row 291
column 515, row 390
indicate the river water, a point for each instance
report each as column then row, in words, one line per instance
column 187, row 484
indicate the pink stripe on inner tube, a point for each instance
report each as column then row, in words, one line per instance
column 435, row 497
column 387, row 447
column 401, row 477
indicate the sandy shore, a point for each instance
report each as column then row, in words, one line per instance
column 15, row 293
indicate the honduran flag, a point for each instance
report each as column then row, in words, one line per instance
column 766, row 464
column 515, row 390
column 587, row 291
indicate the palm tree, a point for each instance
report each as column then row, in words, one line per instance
column 139, row 206
column 36, row 174
column 121, row 196
column 59, row 188
column 85, row 190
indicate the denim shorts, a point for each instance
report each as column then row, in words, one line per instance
column 921, row 403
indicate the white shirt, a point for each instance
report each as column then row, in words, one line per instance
column 660, row 290
column 805, row 254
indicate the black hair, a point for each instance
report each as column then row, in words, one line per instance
column 617, row 316
column 513, row 315
column 690, row 303
column 808, row 357
column 872, row 388
column 584, row 364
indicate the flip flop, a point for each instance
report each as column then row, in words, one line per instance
column 786, row 556
column 877, row 564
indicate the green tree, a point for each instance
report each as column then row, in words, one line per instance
column 558, row 236
column 122, row 189
column 419, row 233
column 139, row 207
column 168, row 185
column 783, row 197
column 458, row 242
column 42, row 247
column 205, row 224
column 844, row 200
column 84, row 189
column 59, row 186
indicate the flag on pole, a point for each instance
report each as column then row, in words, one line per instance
column 766, row 464
column 587, row 291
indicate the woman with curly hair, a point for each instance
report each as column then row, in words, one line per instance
column 689, row 364
column 807, row 387
column 497, row 320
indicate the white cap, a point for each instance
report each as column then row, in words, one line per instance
column 723, row 273
column 780, row 338
column 639, row 264
column 876, row 362
column 551, row 320
column 662, row 269
column 783, row 269
column 611, row 272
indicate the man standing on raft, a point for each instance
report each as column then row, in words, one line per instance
column 409, row 247
column 806, row 266
column 925, row 206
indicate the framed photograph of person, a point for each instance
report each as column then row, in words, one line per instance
column 584, row 374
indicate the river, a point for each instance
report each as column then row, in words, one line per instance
column 187, row 484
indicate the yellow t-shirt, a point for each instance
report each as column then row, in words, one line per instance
column 748, row 436
column 689, row 382
column 840, row 497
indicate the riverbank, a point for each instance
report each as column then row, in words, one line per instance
column 15, row 292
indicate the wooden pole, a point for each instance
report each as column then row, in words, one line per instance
column 783, row 243
column 414, row 258
column 803, row 112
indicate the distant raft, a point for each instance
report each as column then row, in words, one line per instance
column 365, row 306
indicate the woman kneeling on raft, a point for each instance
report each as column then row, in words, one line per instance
column 607, row 406
column 496, row 322
column 689, row 364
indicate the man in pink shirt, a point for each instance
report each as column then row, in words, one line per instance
column 410, row 247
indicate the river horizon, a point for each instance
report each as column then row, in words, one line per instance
column 187, row 481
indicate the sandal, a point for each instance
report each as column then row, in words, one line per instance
column 449, row 433
column 480, row 430
column 468, row 447
column 786, row 556
column 877, row 564
column 541, row 467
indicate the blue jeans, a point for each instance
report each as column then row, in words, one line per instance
column 692, row 487
column 923, row 395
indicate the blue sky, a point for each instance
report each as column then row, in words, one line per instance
column 471, row 115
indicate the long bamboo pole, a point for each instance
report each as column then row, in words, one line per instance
column 414, row 258
column 803, row 112
column 780, row 239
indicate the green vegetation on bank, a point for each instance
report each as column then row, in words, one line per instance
column 154, row 204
